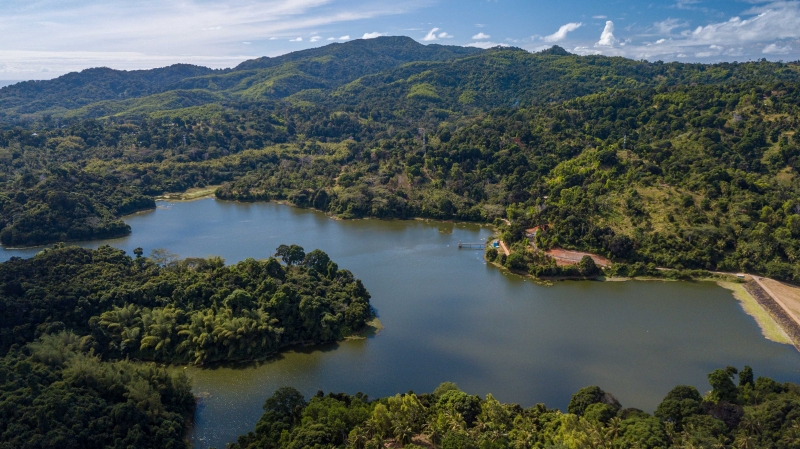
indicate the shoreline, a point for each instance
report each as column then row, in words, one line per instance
column 372, row 328
column 195, row 193
column 771, row 328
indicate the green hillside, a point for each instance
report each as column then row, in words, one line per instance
column 667, row 164
column 330, row 66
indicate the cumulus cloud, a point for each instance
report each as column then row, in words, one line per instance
column 372, row 35
column 435, row 34
column 775, row 49
column 297, row 39
column 764, row 29
column 607, row 38
column 170, row 31
column 431, row 36
column 481, row 36
column 562, row 32
column 600, row 17
column 315, row 38
column 486, row 44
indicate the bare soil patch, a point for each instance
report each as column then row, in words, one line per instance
column 568, row 257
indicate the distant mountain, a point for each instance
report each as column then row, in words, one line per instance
column 4, row 83
column 375, row 54
column 324, row 67
column 391, row 74
column 74, row 90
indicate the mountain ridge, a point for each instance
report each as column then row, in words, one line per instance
column 311, row 69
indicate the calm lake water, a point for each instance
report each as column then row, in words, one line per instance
column 450, row 317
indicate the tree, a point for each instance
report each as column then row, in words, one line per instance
column 162, row 257
column 587, row 267
column 282, row 411
column 238, row 300
column 291, row 255
column 680, row 403
column 723, row 388
column 515, row 261
column 588, row 396
column 746, row 376
column 317, row 260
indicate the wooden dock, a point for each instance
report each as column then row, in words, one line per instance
column 472, row 245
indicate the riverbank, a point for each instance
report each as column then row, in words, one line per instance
column 192, row 194
column 775, row 323
column 770, row 328
column 772, row 304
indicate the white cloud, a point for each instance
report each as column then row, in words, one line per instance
column 600, row 17
column 297, row 39
column 315, row 38
column 480, row 25
column 372, row 35
column 481, row 36
column 562, row 32
column 774, row 49
column 779, row 22
column 686, row 4
column 435, row 33
column 486, row 44
column 764, row 29
column 666, row 26
column 167, row 31
column 607, row 38
column 431, row 36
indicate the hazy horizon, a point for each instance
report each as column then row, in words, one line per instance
column 48, row 38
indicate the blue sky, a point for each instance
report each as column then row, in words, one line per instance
column 41, row 39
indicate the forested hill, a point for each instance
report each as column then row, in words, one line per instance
column 666, row 164
column 76, row 324
column 167, row 310
column 74, row 90
column 323, row 67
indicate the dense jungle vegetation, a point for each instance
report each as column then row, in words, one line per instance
column 162, row 309
column 686, row 166
column 758, row 413
column 56, row 393
column 77, row 324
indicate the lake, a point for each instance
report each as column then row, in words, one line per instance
column 450, row 317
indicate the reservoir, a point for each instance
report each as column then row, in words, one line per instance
column 450, row 317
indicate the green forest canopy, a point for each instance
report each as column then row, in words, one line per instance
column 758, row 413
column 79, row 326
column 686, row 166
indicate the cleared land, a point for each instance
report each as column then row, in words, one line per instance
column 191, row 194
column 567, row 257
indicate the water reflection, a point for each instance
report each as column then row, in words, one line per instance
column 449, row 317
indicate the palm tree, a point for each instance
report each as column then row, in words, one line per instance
column 745, row 441
column 403, row 432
